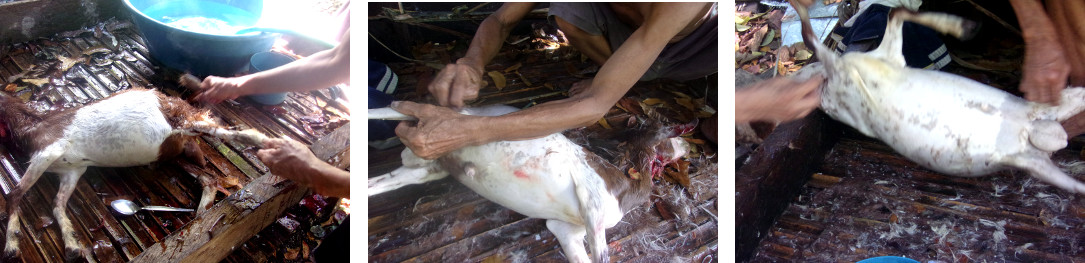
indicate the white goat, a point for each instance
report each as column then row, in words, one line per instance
column 551, row 178
column 945, row 122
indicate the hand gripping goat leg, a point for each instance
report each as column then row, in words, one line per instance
column 577, row 192
column 945, row 122
column 131, row 128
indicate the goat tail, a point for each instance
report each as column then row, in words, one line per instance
column 589, row 193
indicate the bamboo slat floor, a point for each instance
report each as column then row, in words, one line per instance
column 443, row 221
column 112, row 57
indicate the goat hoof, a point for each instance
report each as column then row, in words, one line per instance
column 10, row 255
column 969, row 29
column 72, row 254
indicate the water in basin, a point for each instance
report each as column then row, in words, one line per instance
column 202, row 16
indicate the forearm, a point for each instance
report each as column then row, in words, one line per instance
column 492, row 33
column 540, row 120
column 331, row 181
column 321, row 70
column 745, row 110
column 1035, row 25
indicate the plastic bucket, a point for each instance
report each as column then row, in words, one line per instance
column 200, row 37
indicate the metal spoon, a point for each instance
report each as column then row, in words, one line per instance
column 128, row 208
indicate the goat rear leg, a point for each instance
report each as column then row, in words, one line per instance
column 571, row 238
column 249, row 137
column 208, row 197
column 68, row 180
column 38, row 164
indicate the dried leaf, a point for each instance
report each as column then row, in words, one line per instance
column 632, row 172
column 291, row 253
column 784, row 53
column 572, row 70
column 229, row 182
column 603, row 122
column 548, row 86
column 513, row 67
column 95, row 50
column 741, row 20
column 694, row 141
column 802, row 55
column 522, row 78
column 36, row 82
column 663, row 209
column 499, row 80
column 11, row 87
column 680, row 94
column 67, row 63
column 679, row 172
column 630, row 105
column 685, row 102
column 747, row 57
column 652, row 101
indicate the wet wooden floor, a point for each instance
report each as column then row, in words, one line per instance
column 868, row 201
column 444, row 221
column 110, row 58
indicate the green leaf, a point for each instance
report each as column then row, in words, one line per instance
column 768, row 37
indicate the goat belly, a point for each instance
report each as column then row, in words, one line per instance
column 945, row 122
column 124, row 130
column 532, row 177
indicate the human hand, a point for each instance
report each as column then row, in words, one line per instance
column 802, row 2
column 438, row 131
column 778, row 99
column 290, row 159
column 215, row 89
column 456, row 83
column 1044, row 71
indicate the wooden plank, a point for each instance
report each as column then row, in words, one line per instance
column 765, row 187
column 214, row 234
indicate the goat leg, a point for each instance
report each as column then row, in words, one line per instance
column 208, row 197
column 38, row 164
column 592, row 211
column 571, row 238
column 249, row 137
column 68, row 180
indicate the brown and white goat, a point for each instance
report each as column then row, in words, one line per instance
column 575, row 190
column 131, row 128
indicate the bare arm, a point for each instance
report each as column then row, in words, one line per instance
column 441, row 131
column 1045, row 67
column 293, row 160
column 778, row 99
column 460, row 81
column 321, row 70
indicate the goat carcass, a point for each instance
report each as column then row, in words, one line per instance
column 945, row 122
column 130, row 128
column 552, row 178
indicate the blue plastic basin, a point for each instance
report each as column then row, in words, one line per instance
column 264, row 61
column 208, row 48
